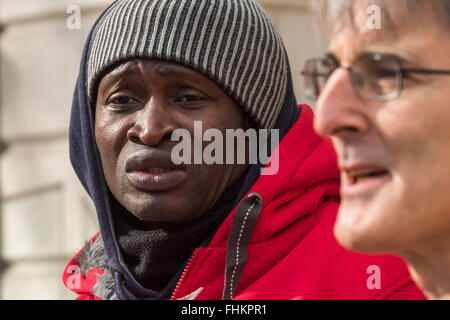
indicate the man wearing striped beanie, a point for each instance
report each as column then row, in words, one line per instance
column 205, row 230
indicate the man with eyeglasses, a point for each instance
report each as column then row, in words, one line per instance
column 384, row 99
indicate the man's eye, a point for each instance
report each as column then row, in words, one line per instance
column 122, row 100
column 189, row 98
column 385, row 73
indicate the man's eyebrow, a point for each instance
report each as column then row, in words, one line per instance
column 368, row 53
column 402, row 59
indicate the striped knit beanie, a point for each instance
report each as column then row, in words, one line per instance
column 233, row 42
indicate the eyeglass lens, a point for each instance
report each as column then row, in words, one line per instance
column 374, row 77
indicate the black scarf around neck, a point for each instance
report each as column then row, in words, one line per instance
column 155, row 252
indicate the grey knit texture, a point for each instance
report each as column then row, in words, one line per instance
column 233, row 42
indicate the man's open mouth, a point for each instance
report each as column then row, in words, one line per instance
column 363, row 180
column 360, row 175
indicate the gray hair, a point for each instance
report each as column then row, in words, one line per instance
column 333, row 12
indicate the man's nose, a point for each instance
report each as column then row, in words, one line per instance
column 153, row 124
column 339, row 109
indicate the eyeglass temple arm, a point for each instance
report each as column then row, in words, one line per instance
column 425, row 71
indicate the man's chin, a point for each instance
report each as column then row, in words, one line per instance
column 165, row 215
column 355, row 230
column 167, row 206
column 162, row 211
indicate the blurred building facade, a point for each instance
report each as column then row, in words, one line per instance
column 45, row 215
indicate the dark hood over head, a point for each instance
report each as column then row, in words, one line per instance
column 84, row 154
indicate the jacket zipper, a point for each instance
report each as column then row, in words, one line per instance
column 175, row 291
column 183, row 275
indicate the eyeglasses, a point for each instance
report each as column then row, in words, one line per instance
column 374, row 77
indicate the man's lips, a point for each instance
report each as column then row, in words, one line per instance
column 157, row 181
column 153, row 170
column 363, row 179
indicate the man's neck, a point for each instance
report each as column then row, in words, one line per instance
column 430, row 269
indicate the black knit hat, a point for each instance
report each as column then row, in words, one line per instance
column 233, row 42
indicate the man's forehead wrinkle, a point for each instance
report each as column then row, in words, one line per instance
column 168, row 69
column 130, row 67
column 146, row 70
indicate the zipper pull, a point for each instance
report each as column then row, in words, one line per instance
column 242, row 226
